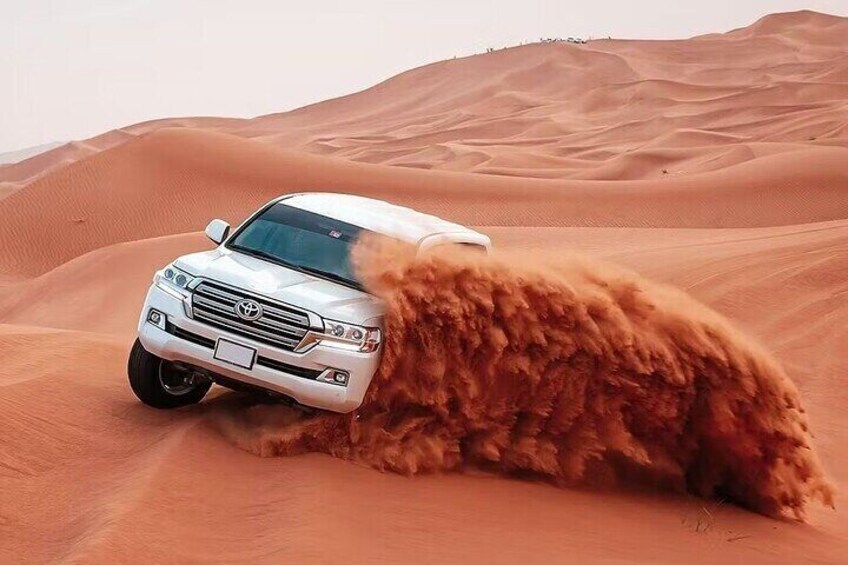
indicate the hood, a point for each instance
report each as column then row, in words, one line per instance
column 325, row 298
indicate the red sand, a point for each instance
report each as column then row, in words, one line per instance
column 751, row 217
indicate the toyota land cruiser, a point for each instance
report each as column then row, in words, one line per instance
column 276, row 307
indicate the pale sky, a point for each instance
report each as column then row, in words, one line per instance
column 76, row 68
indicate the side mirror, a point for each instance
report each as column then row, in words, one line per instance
column 217, row 230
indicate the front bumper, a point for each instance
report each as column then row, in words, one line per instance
column 326, row 396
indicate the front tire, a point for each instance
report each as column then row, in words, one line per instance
column 161, row 383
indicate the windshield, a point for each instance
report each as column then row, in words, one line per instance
column 301, row 240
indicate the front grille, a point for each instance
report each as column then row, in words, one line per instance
column 280, row 326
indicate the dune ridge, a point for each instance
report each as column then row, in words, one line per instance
column 174, row 180
column 619, row 109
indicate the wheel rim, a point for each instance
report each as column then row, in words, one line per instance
column 176, row 381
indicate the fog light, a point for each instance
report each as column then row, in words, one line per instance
column 156, row 318
column 334, row 377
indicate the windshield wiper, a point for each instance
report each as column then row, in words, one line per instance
column 330, row 275
column 302, row 268
column 263, row 255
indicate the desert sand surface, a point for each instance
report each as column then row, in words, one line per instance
column 714, row 164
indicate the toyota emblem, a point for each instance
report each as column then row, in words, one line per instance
column 248, row 309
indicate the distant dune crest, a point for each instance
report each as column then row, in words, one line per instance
column 606, row 110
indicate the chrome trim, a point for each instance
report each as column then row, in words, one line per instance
column 286, row 315
column 171, row 290
column 283, row 326
column 163, row 318
column 223, row 294
column 286, row 342
column 206, row 303
column 327, row 376
column 311, row 339
column 262, row 320
column 202, row 300
column 315, row 321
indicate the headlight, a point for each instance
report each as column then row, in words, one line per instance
column 349, row 336
column 174, row 277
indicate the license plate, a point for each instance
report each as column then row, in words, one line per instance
column 235, row 353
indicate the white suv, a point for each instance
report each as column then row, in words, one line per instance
column 276, row 307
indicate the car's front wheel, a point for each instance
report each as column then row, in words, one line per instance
column 161, row 383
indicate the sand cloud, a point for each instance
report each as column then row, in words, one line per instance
column 573, row 371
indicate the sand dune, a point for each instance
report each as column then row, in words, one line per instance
column 66, row 296
column 782, row 80
column 21, row 173
column 174, row 180
column 129, row 475
column 714, row 164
